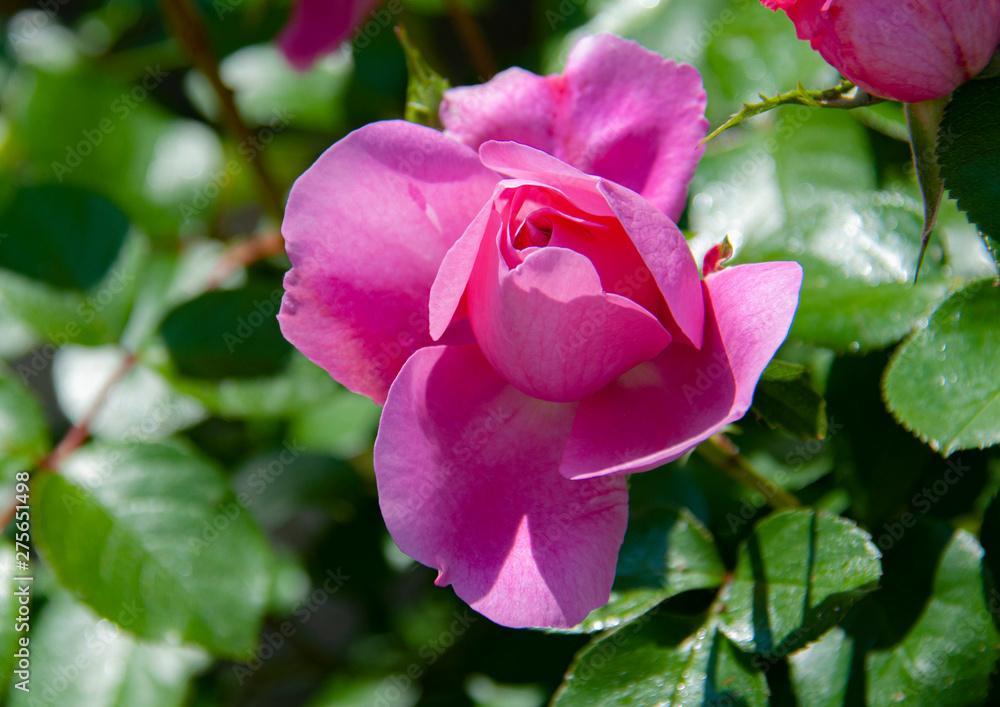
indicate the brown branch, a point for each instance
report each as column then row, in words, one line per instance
column 473, row 40
column 244, row 253
column 185, row 23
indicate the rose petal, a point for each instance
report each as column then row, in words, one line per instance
column 618, row 111
column 468, row 484
column 317, row 27
column 514, row 105
column 665, row 252
column 658, row 411
column 366, row 228
column 527, row 163
column 659, row 242
column 549, row 329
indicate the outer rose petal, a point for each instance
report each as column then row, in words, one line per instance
column 468, row 481
column 907, row 51
column 658, row 411
column 317, row 27
column 366, row 228
column 618, row 111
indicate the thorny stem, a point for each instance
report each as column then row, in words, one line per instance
column 185, row 23
column 844, row 95
column 724, row 455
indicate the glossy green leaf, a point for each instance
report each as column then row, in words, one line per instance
column 802, row 189
column 820, row 673
column 154, row 526
column 969, row 153
column 664, row 660
column 926, row 639
column 785, row 398
column 795, row 577
column 942, row 383
column 839, row 313
column 80, row 659
column 666, row 551
column 228, row 334
column 65, row 236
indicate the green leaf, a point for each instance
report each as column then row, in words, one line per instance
column 154, row 526
column 846, row 315
column 664, row 660
column 947, row 656
column 63, row 235
column 968, row 151
column 228, row 334
column 803, row 191
column 785, row 398
column 295, row 389
column 795, row 577
column 820, row 673
column 942, row 383
column 342, row 424
column 666, row 551
column 62, row 316
column 425, row 88
column 925, row 639
column 81, row 660
column 118, row 140
column 24, row 437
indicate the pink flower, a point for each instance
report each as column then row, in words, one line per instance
column 317, row 27
column 906, row 50
column 534, row 331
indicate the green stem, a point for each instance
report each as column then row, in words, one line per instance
column 721, row 453
column 839, row 96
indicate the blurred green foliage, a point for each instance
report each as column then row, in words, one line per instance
column 225, row 546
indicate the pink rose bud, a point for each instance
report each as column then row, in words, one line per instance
column 317, row 27
column 905, row 50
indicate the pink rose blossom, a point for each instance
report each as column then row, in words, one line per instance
column 535, row 331
column 906, row 50
column 317, row 27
